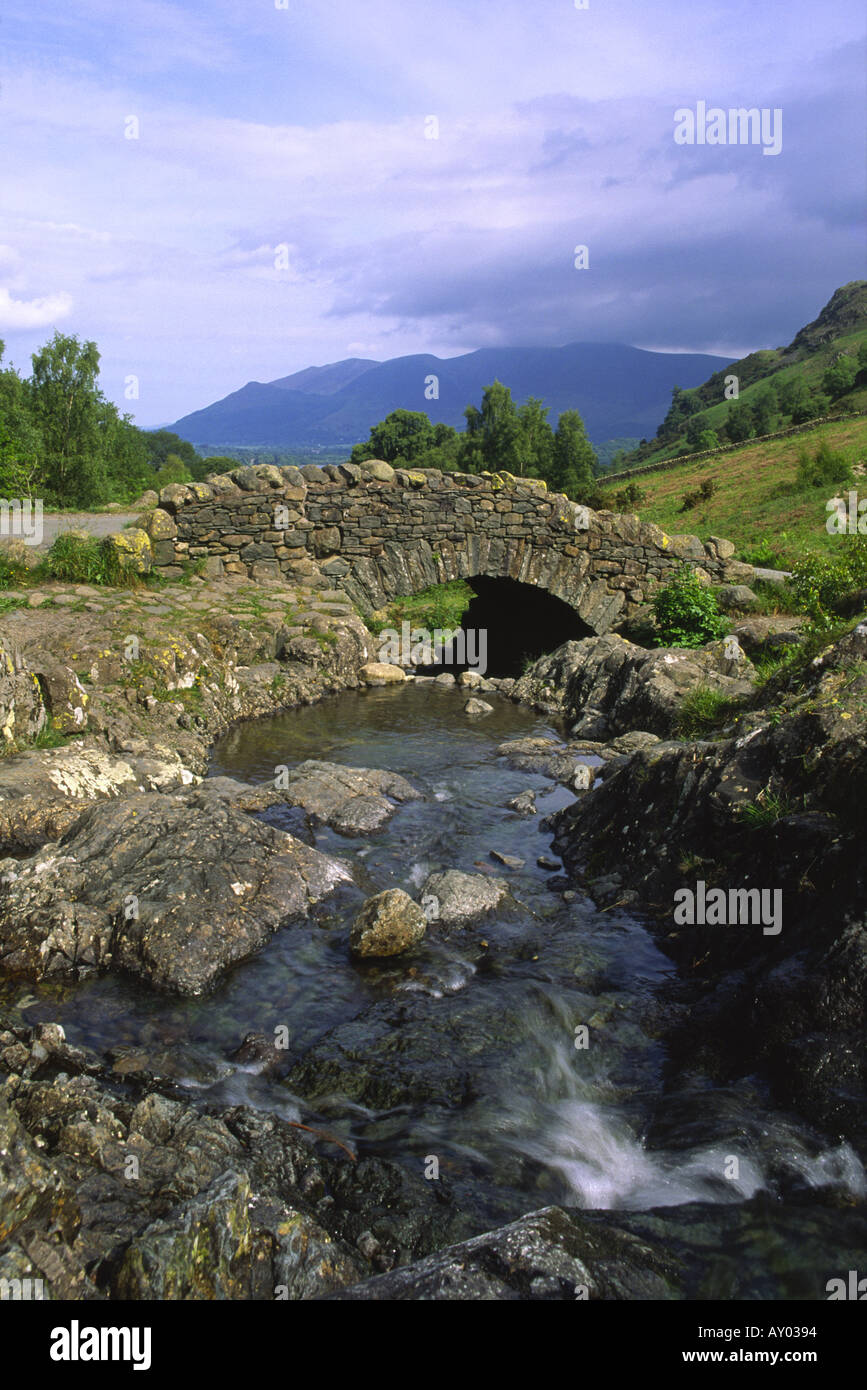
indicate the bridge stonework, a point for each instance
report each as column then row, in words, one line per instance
column 380, row 533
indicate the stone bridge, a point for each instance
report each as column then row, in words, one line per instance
column 379, row 533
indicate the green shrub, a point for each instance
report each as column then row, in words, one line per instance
column 80, row 559
column 686, row 613
column 821, row 582
column 708, row 439
column 825, row 467
column 12, row 570
column 763, row 555
column 174, row 470
column 628, row 497
column 703, row 493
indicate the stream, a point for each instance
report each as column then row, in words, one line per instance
column 464, row 1053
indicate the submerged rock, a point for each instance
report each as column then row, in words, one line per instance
column 454, row 896
column 511, row 861
column 478, row 707
column 352, row 800
column 387, row 924
column 557, row 1254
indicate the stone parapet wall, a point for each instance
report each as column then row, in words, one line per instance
column 379, row 533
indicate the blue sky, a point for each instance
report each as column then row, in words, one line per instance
column 304, row 127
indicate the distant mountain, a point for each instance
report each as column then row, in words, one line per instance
column 324, row 381
column 621, row 392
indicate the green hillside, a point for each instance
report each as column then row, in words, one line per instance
column 756, row 496
column 822, row 371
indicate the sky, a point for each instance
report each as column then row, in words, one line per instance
column 232, row 191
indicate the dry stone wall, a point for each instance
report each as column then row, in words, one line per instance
column 378, row 533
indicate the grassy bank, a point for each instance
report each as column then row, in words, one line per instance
column 757, row 501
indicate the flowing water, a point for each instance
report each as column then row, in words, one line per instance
column 467, row 1050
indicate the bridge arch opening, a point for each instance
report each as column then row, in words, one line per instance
column 520, row 623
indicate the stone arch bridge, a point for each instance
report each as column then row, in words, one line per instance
column 379, row 533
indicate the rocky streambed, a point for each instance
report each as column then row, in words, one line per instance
column 207, row 1089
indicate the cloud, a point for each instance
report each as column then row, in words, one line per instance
column 305, row 127
column 34, row 313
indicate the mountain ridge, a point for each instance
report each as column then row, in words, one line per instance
column 620, row 390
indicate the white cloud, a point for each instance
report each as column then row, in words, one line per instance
column 33, row 313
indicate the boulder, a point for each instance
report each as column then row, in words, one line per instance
column 382, row 673
column 455, row 896
column 352, row 800
column 378, row 469
column 736, row 598
column 387, row 925
column 161, row 525
column 22, row 708
column 132, row 548
column 607, row 686
column 478, row 707
column 205, row 1249
column 174, row 495
column 170, row 888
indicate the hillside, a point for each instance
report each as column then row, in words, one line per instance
column 756, row 501
column 795, row 376
column 621, row 392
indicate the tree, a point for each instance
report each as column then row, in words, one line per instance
column 765, row 407
column 840, row 376
column 694, row 428
column 444, row 453
column 125, row 451
column 793, row 396
column 215, row 463
column 683, row 405
column 398, row 439
column 493, row 433
column 573, row 457
column 739, row 421
column 20, row 441
column 708, row 439
column 161, row 443
column 535, row 440
column 67, row 408
column 174, row 470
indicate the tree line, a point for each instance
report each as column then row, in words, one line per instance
column 63, row 441
column 498, row 436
